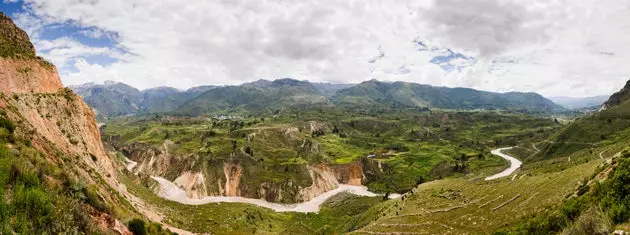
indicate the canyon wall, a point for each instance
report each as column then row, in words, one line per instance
column 53, row 119
column 240, row 177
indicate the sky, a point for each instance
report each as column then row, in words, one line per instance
column 553, row 47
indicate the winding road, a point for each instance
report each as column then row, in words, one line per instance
column 514, row 164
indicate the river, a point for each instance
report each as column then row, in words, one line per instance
column 170, row 191
column 514, row 164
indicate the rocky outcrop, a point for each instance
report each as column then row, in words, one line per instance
column 54, row 120
column 15, row 36
column 193, row 183
column 351, row 173
column 323, row 181
column 233, row 173
column 618, row 98
column 199, row 178
column 27, row 76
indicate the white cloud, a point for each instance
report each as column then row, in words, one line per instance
column 556, row 47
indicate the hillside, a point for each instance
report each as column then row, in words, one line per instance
column 114, row 99
column 110, row 99
column 55, row 175
column 50, row 151
column 403, row 94
column 257, row 97
column 609, row 125
column 574, row 182
column 330, row 89
column 618, row 98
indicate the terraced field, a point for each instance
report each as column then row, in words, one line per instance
column 471, row 205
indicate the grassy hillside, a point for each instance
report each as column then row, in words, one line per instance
column 38, row 196
column 260, row 97
column 521, row 204
column 597, row 129
column 402, row 94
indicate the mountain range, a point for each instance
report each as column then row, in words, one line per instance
column 117, row 99
column 593, row 102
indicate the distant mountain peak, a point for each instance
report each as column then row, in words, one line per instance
column 289, row 82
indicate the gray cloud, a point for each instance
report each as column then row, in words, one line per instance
column 488, row 27
column 551, row 45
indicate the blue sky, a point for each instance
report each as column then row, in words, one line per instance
column 565, row 47
column 67, row 29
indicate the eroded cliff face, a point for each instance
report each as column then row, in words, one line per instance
column 28, row 76
column 56, row 121
column 239, row 177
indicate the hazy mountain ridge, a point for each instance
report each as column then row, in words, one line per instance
column 117, row 99
column 113, row 99
column 579, row 102
column 405, row 94
column 259, row 96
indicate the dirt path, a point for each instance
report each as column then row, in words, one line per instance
column 514, row 164
column 536, row 148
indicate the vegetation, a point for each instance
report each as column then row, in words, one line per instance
column 14, row 43
column 37, row 197
column 594, row 209
column 340, row 214
column 402, row 94
column 411, row 147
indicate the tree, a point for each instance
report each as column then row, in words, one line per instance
column 137, row 227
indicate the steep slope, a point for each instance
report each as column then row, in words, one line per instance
column 608, row 125
column 51, row 151
column 114, row 99
column 618, row 98
column 55, row 175
column 578, row 103
column 256, row 97
column 402, row 94
column 111, row 98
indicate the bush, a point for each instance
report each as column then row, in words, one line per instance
column 33, row 210
column 547, row 223
column 22, row 175
column 137, row 227
column 592, row 221
column 6, row 124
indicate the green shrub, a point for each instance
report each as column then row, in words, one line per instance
column 543, row 224
column 92, row 198
column 6, row 124
column 592, row 221
column 20, row 174
column 137, row 227
column 32, row 208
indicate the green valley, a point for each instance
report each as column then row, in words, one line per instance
column 166, row 127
